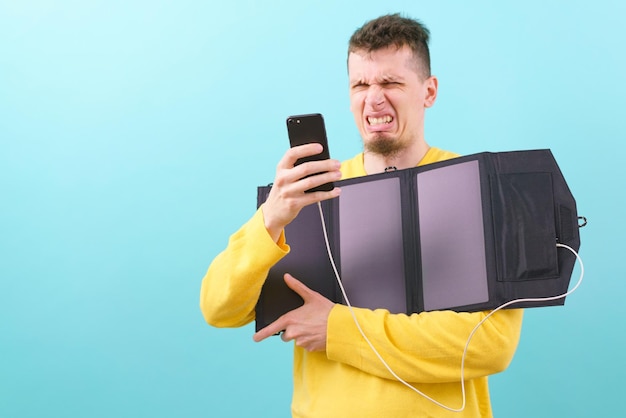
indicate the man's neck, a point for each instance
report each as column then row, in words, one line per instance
column 376, row 163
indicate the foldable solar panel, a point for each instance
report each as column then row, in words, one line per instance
column 465, row 234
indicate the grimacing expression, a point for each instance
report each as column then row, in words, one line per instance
column 388, row 98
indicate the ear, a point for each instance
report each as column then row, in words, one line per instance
column 431, row 84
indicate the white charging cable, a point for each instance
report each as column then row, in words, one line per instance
column 398, row 378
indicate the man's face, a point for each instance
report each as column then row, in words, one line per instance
column 388, row 97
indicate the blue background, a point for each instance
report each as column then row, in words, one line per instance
column 133, row 135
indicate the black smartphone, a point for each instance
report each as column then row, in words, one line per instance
column 306, row 129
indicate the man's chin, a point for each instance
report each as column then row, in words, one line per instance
column 384, row 145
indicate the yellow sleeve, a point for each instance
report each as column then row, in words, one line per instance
column 425, row 347
column 232, row 285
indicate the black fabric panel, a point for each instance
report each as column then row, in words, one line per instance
column 524, row 224
column 307, row 261
column 567, row 226
column 527, row 209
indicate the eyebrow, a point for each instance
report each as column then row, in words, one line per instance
column 390, row 78
column 378, row 80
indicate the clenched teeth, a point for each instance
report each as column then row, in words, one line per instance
column 379, row 121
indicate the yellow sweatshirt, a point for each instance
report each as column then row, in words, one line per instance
column 348, row 380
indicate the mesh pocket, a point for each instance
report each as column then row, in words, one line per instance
column 524, row 226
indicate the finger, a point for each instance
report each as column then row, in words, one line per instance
column 289, row 175
column 310, row 182
column 318, row 166
column 294, row 154
column 298, row 287
column 272, row 329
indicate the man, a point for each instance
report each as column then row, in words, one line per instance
column 336, row 374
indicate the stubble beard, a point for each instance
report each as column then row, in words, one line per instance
column 385, row 146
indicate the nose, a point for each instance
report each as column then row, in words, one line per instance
column 375, row 96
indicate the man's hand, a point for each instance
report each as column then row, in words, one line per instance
column 307, row 324
column 287, row 196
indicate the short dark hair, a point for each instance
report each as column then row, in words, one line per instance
column 394, row 30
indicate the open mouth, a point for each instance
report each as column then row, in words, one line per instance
column 383, row 120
